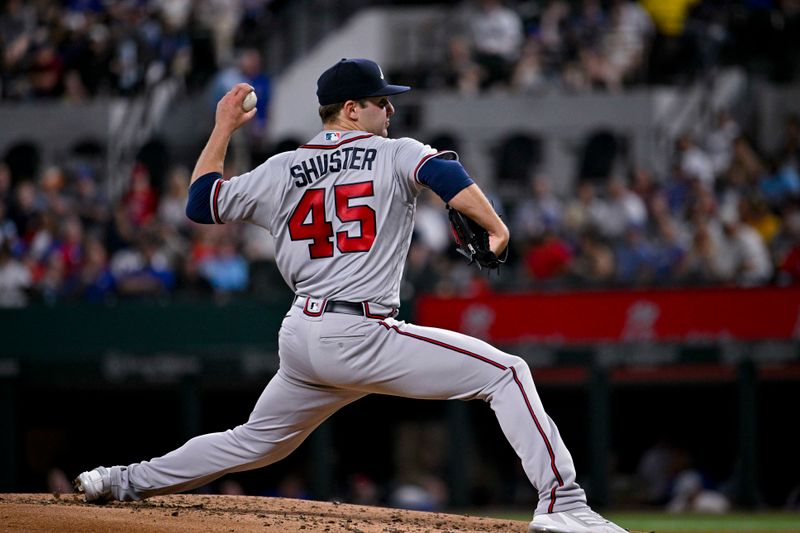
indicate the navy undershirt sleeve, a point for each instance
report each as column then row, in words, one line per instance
column 198, row 207
column 445, row 177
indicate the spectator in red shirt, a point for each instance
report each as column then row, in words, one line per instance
column 549, row 258
column 790, row 267
column 141, row 201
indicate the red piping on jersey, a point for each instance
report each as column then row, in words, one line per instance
column 332, row 146
column 426, row 158
column 321, row 310
column 370, row 315
column 546, row 442
column 217, row 187
column 521, row 390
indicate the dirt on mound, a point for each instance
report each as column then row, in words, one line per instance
column 241, row 514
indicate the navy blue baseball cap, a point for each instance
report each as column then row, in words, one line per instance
column 353, row 79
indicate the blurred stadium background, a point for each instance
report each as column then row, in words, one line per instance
column 644, row 153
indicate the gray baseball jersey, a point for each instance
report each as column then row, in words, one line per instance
column 341, row 208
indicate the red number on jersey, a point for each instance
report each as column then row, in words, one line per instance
column 318, row 229
column 362, row 213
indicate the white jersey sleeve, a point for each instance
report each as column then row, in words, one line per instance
column 247, row 197
column 409, row 158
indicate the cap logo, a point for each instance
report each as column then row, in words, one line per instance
column 380, row 70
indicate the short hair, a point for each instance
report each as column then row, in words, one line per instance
column 329, row 112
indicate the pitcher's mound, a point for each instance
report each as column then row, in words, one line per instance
column 239, row 514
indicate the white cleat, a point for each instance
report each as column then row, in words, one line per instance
column 95, row 485
column 582, row 520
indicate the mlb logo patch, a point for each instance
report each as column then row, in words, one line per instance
column 314, row 307
column 332, row 136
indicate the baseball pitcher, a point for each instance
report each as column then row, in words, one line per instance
column 341, row 208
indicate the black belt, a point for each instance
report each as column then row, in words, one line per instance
column 348, row 308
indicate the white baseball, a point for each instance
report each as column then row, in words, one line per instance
column 249, row 101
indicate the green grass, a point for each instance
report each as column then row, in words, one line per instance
column 751, row 522
column 671, row 523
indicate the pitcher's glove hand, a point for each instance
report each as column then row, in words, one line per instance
column 472, row 240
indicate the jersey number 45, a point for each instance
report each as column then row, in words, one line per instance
column 318, row 228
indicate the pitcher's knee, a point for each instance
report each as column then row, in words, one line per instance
column 516, row 373
column 267, row 445
column 248, row 439
column 520, row 369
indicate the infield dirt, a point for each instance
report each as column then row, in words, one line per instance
column 241, row 514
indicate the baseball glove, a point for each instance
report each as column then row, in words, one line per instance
column 472, row 241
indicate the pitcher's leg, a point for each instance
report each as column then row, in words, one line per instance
column 436, row 363
column 535, row 437
column 283, row 417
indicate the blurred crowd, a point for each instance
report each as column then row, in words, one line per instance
column 62, row 239
column 79, row 49
column 536, row 46
column 728, row 211
column 726, row 214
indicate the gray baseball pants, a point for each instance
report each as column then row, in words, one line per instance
column 331, row 360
